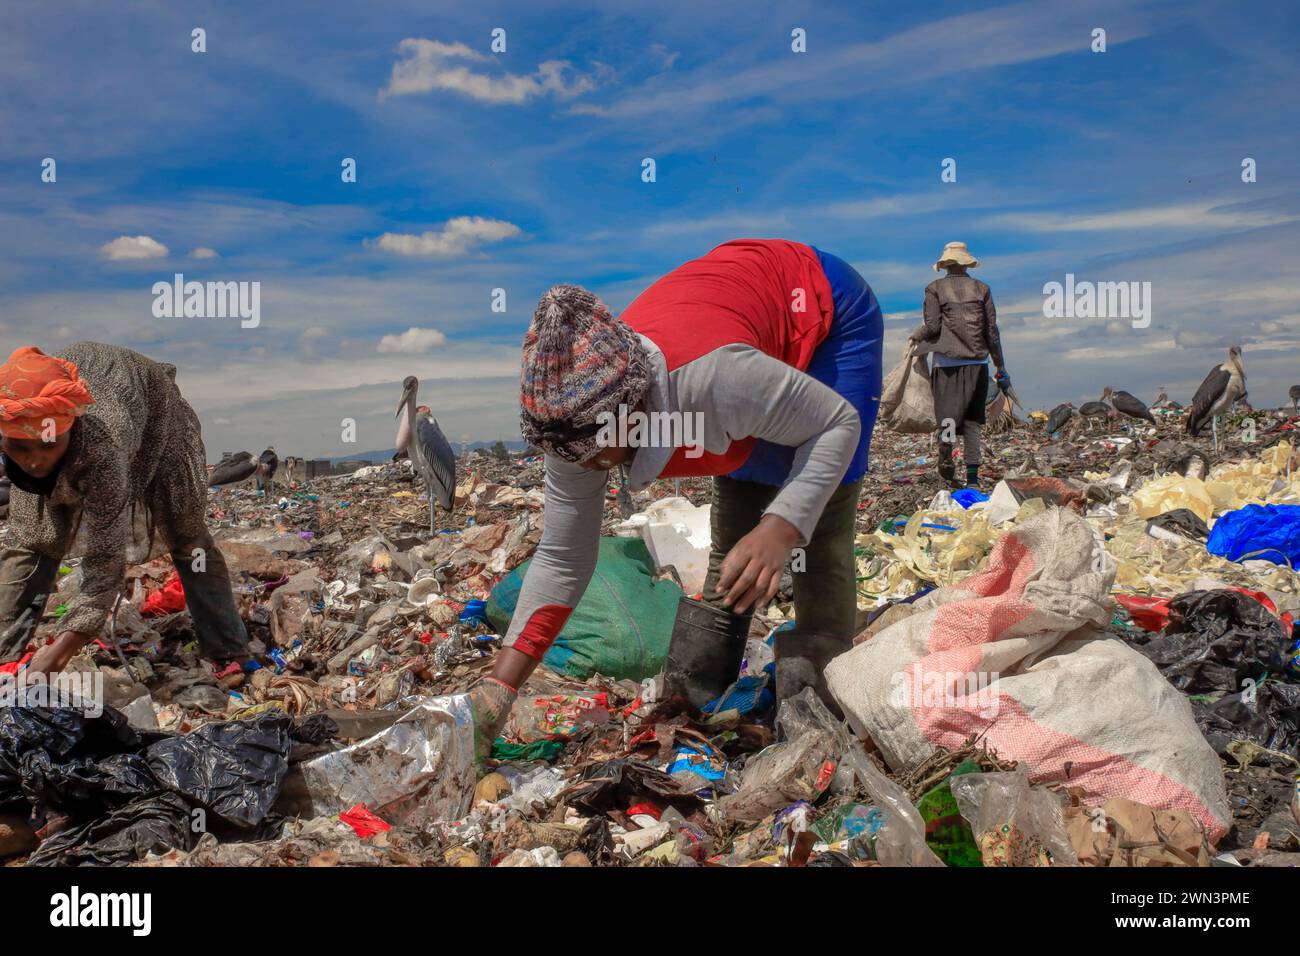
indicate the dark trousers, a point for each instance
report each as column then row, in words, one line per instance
column 825, row 591
column 25, row 574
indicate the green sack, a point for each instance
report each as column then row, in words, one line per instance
column 622, row 625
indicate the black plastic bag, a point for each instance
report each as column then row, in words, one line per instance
column 129, row 793
column 615, row 784
column 316, row 729
column 1272, row 720
column 233, row 768
column 147, row 825
column 1215, row 640
column 57, row 758
column 1182, row 521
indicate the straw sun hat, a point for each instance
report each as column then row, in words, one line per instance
column 955, row 253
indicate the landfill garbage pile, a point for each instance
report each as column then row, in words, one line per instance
column 1083, row 560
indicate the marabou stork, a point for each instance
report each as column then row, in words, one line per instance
column 1092, row 411
column 267, row 464
column 420, row 437
column 1222, row 388
column 1059, row 417
column 1295, row 396
column 1127, row 404
column 233, row 469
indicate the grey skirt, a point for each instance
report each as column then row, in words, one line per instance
column 959, row 393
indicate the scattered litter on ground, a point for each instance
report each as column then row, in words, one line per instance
column 1132, row 592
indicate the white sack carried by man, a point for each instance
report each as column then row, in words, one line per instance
column 906, row 397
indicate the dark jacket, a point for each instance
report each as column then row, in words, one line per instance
column 960, row 320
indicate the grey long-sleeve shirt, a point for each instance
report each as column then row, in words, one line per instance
column 734, row 392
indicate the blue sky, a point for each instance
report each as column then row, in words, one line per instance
column 517, row 170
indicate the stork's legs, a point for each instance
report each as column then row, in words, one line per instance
column 432, row 522
column 1214, row 428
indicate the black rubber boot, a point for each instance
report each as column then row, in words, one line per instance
column 973, row 477
column 704, row 653
column 801, row 661
column 947, row 468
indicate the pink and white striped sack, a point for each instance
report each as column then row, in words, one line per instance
column 1015, row 654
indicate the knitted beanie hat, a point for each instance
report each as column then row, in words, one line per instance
column 579, row 361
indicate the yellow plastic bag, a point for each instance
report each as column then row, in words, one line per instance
column 1174, row 491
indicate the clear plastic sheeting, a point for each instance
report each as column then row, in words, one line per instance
column 1002, row 808
column 418, row 771
column 793, row 769
column 1173, row 491
column 900, row 841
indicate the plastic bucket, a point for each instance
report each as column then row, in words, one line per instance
column 705, row 653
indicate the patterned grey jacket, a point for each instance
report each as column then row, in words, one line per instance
column 138, row 444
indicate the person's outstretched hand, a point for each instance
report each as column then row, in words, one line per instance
column 751, row 571
column 53, row 657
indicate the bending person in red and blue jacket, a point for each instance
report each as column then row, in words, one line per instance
column 773, row 349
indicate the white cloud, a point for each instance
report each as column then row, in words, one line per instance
column 665, row 56
column 1197, row 339
column 203, row 252
column 310, row 340
column 1198, row 215
column 457, row 237
column 428, row 65
column 134, row 247
column 412, row 340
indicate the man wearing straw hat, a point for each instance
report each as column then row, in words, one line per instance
column 961, row 329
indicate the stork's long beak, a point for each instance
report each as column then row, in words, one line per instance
column 406, row 397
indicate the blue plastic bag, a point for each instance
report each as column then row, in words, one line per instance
column 751, row 694
column 1265, row 532
column 968, row 496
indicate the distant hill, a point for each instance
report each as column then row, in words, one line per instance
column 388, row 453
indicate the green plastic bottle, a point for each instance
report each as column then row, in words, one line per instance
column 946, row 831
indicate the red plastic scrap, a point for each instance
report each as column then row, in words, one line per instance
column 13, row 667
column 824, row 776
column 648, row 807
column 365, row 823
column 168, row 599
column 1152, row 613
column 1148, row 613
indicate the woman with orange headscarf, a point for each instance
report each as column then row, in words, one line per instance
column 89, row 437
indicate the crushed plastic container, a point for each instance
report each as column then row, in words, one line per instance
column 678, row 536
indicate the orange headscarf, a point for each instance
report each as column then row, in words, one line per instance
column 35, row 389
